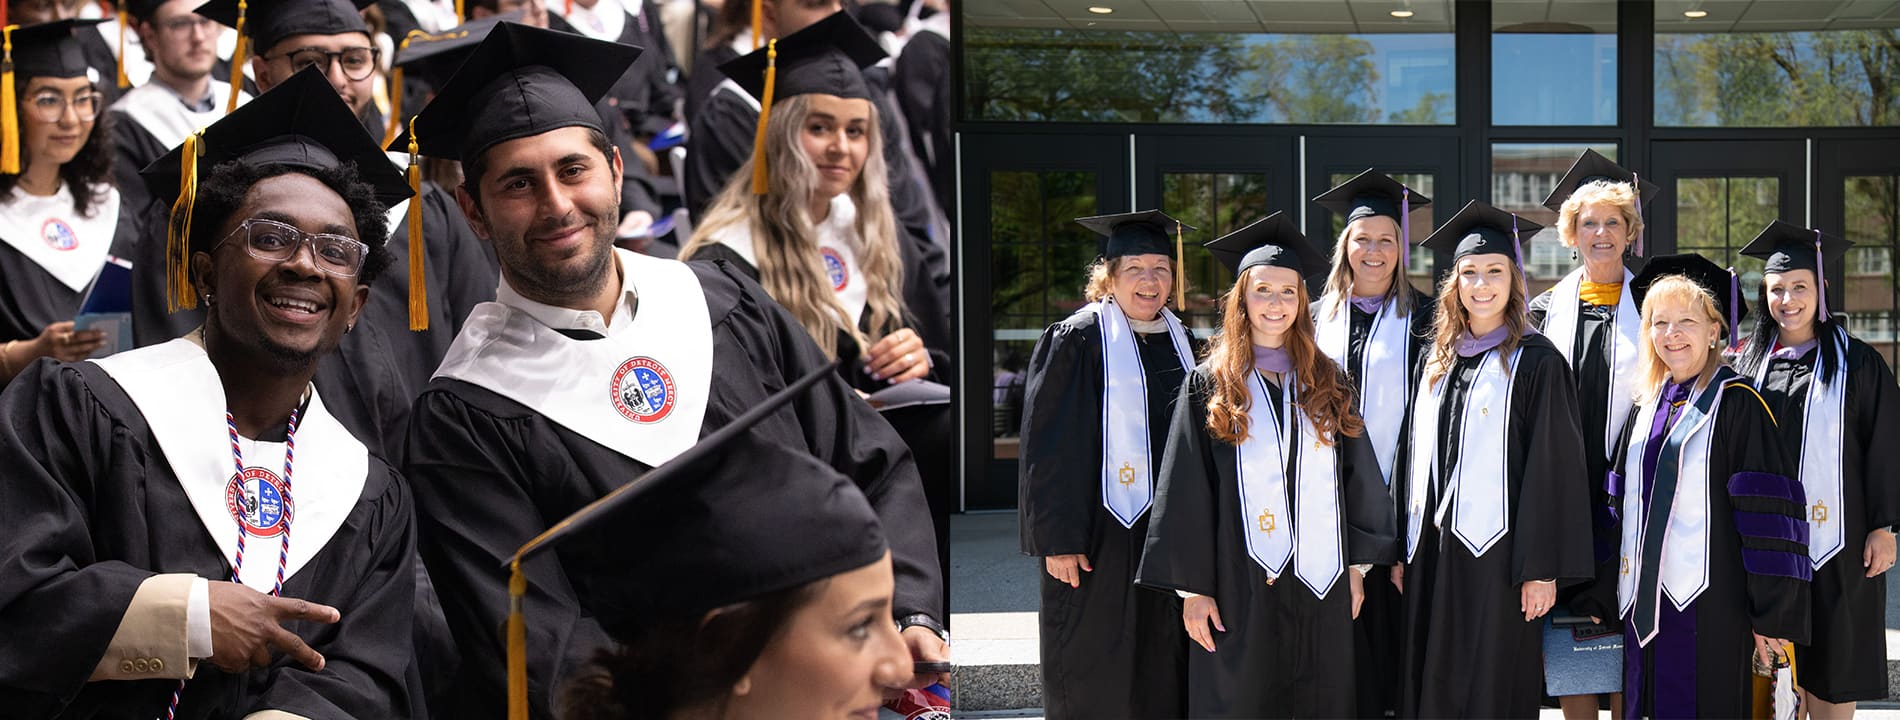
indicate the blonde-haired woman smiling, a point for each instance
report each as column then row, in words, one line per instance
column 1495, row 504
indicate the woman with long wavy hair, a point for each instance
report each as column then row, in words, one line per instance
column 1713, row 562
column 1100, row 388
column 1271, row 506
column 1495, row 513
column 1370, row 320
column 1839, row 413
column 59, row 214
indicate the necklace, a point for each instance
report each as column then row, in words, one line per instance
column 283, row 548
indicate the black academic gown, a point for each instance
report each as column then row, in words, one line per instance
column 92, row 508
column 1378, row 634
column 1847, row 661
column 490, row 474
column 1109, row 649
column 1469, row 652
column 1286, row 652
column 1700, row 664
column 921, row 84
column 1591, row 350
column 459, row 273
column 31, row 298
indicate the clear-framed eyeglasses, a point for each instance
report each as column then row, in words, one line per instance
column 49, row 105
column 276, row 242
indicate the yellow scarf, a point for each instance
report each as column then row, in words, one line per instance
column 1600, row 294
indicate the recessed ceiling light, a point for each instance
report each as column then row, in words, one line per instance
column 1695, row 13
column 1099, row 10
column 1401, row 14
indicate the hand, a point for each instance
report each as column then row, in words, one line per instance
column 926, row 646
column 1065, row 568
column 1536, row 599
column 1196, row 613
column 60, row 342
column 1398, row 577
column 635, row 231
column 1767, row 649
column 246, row 624
column 1878, row 557
column 1358, row 584
column 898, row 357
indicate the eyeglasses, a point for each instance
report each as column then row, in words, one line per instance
column 357, row 62
column 186, row 25
column 51, row 106
column 275, row 242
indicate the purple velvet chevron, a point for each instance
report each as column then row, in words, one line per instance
column 1776, row 562
column 1768, row 485
column 1772, row 526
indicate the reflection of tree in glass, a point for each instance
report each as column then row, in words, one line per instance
column 1039, row 255
column 1217, row 204
column 1799, row 79
column 1317, row 78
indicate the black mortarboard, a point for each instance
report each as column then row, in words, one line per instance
column 518, row 82
column 1370, row 193
column 302, row 123
column 436, row 56
column 1592, row 166
column 1480, row 229
column 828, row 56
column 141, row 9
column 266, row 22
column 1148, row 232
column 1785, row 246
column 1272, row 241
column 51, row 49
column 730, row 518
column 1720, row 282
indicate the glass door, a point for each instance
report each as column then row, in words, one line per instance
column 1718, row 195
column 1857, row 196
column 1023, row 262
column 1427, row 165
column 1218, row 185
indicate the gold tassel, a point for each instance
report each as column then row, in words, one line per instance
column 517, row 642
column 9, row 110
column 418, row 285
column 123, row 81
column 1180, row 273
column 459, row 15
column 178, row 230
column 238, row 59
column 761, row 180
column 758, row 23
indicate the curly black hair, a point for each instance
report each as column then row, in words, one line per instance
column 90, row 167
column 222, row 191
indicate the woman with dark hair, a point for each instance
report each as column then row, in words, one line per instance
column 1268, row 473
column 1101, row 389
column 59, row 214
column 1713, row 566
column 1496, row 513
column 1838, row 415
column 1371, row 321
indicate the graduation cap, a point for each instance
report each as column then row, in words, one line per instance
column 264, row 23
column 524, row 81
column 1480, row 229
column 827, row 57
column 302, row 123
column 1141, row 233
column 730, row 518
column 1722, row 283
column 44, row 50
column 1592, row 166
column 1375, row 193
column 1272, row 241
column 1785, row 246
column 141, row 9
column 436, row 56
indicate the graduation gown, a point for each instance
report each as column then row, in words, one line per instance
column 32, row 297
column 1109, row 649
column 1847, row 660
column 1378, row 637
column 460, row 275
column 491, row 473
column 1468, row 650
column 93, row 508
column 1700, row 663
column 1286, row 651
column 147, row 122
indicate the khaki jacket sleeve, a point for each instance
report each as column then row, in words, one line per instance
column 152, row 641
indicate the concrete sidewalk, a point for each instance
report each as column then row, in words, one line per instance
column 993, row 602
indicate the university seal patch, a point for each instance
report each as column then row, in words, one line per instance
column 643, row 390
column 58, row 235
column 258, row 502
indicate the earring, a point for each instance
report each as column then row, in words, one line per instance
column 1573, row 254
column 210, row 299
column 1715, row 343
column 349, row 327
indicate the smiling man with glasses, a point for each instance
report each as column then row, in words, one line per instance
column 181, row 96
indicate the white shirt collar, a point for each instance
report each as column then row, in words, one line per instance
column 563, row 318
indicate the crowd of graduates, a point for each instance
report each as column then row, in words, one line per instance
column 428, row 258
column 1636, row 491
